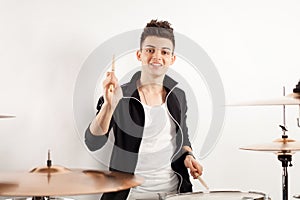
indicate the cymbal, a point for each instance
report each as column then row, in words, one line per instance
column 282, row 145
column 291, row 99
column 6, row 116
column 61, row 181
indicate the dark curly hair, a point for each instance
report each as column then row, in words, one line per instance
column 160, row 29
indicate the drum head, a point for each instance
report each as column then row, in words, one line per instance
column 219, row 195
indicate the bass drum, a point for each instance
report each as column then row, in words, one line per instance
column 219, row 195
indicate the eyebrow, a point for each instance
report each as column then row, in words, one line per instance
column 155, row 47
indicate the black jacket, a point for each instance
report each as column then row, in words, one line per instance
column 128, row 124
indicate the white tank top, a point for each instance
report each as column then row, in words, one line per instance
column 157, row 147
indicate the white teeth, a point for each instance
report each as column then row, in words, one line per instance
column 156, row 65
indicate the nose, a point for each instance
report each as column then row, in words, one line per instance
column 157, row 54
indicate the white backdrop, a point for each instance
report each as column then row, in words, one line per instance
column 253, row 44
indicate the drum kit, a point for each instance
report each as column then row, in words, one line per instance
column 50, row 181
column 284, row 147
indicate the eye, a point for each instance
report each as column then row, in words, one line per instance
column 165, row 52
column 150, row 50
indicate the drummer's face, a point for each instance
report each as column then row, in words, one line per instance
column 156, row 54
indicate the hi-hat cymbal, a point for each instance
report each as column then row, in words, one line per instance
column 291, row 99
column 282, row 145
column 60, row 181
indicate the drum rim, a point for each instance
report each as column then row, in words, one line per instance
column 217, row 191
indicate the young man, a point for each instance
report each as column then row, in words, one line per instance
column 147, row 117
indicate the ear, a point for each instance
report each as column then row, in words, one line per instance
column 173, row 59
column 138, row 55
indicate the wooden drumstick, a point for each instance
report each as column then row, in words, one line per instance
column 111, row 86
column 202, row 182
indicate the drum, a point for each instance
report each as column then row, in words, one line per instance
column 219, row 195
column 38, row 198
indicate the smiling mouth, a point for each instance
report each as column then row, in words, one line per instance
column 156, row 64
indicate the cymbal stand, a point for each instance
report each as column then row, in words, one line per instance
column 297, row 90
column 298, row 123
column 49, row 164
column 298, row 120
column 40, row 198
column 286, row 160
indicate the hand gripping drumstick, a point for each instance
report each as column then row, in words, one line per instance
column 111, row 86
column 202, row 182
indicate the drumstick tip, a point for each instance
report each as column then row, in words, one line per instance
column 203, row 182
column 111, row 86
column 113, row 63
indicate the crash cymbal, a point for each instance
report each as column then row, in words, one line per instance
column 61, row 181
column 7, row 186
column 282, row 145
column 291, row 99
column 6, row 116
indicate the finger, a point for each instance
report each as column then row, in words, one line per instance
column 197, row 173
column 110, row 74
column 111, row 88
column 194, row 175
column 106, row 82
column 192, row 166
column 110, row 78
column 114, row 79
column 192, row 169
column 113, row 83
column 197, row 167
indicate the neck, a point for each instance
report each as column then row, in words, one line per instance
column 151, row 94
column 151, row 83
column 150, row 87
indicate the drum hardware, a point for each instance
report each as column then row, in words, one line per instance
column 50, row 181
column 285, row 160
column 297, row 196
column 284, row 147
column 297, row 90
